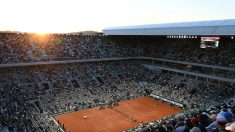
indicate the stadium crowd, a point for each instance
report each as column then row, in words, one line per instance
column 42, row 91
column 31, row 95
column 18, row 48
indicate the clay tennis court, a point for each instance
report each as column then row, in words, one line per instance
column 144, row 109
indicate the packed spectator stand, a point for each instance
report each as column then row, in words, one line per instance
column 31, row 48
column 30, row 95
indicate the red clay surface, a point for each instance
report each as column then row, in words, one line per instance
column 143, row 109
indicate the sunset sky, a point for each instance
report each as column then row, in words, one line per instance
column 57, row 16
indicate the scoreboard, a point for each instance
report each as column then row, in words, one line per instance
column 209, row 42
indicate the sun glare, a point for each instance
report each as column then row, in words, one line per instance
column 41, row 34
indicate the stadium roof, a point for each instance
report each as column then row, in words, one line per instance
column 215, row 27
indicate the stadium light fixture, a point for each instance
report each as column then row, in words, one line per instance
column 232, row 37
